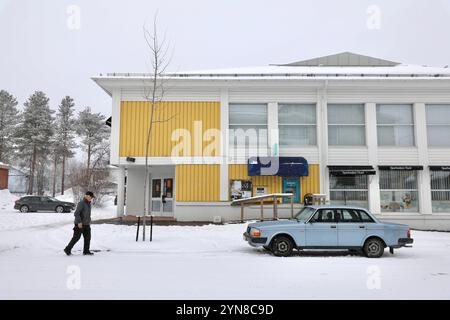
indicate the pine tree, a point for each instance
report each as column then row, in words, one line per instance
column 64, row 137
column 93, row 131
column 9, row 119
column 35, row 133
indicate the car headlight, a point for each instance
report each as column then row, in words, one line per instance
column 255, row 232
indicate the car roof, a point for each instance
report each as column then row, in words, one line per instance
column 331, row 206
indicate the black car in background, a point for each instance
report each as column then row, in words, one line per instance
column 42, row 203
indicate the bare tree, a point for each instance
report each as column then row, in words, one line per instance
column 154, row 93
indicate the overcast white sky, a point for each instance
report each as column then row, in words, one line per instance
column 43, row 48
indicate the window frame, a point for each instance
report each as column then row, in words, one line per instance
column 256, row 127
column 359, row 125
column 413, row 124
column 446, row 125
column 298, row 124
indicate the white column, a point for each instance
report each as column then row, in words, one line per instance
column 322, row 139
column 372, row 146
column 120, row 192
column 224, row 144
column 272, row 126
column 424, row 183
column 115, row 127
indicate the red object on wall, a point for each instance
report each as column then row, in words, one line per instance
column 3, row 178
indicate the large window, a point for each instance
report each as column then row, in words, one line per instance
column 346, row 125
column 398, row 190
column 349, row 190
column 248, row 125
column 297, row 124
column 395, row 125
column 440, row 191
column 438, row 125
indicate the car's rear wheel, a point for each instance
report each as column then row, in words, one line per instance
column 282, row 246
column 59, row 209
column 373, row 248
column 24, row 209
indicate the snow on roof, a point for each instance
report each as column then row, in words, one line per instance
column 3, row 165
column 342, row 65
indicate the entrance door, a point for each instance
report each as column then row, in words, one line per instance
column 162, row 196
column 291, row 185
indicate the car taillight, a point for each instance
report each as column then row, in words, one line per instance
column 408, row 234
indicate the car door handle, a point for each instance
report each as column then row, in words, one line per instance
column 362, row 227
column 333, row 227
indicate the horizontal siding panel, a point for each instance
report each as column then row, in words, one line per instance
column 310, row 154
column 174, row 94
column 272, row 95
column 344, row 156
column 383, row 95
column 400, row 156
column 439, row 156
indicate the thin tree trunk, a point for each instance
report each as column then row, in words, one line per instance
column 88, row 174
column 55, row 162
column 31, row 179
column 63, row 172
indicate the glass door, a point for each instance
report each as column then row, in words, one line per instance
column 162, row 196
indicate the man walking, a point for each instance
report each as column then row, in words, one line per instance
column 82, row 224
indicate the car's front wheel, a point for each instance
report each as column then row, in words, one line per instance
column 24, row 209
column 59, row 209
column 282, row 246
column 373, row 248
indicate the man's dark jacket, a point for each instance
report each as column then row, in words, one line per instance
column 83, row 213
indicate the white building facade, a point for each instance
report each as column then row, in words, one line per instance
column 378, row 131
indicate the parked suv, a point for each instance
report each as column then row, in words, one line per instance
column 329, row 227
column 41, row 203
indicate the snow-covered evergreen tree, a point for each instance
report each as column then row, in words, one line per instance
column 9, row 119
column 64, row 136
column 35, row 132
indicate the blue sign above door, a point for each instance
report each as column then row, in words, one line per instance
column 277, row 166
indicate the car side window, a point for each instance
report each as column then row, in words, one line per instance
column 364, row 216
column 324, row 215
column 348, row 215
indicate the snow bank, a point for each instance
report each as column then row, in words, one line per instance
column 67, row 196
column 7, row 200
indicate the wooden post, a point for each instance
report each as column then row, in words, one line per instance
column 262, row 210
column 242, row 212
column 275, row 208
column 292, row 207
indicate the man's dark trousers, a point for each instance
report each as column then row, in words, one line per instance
column 86, row 231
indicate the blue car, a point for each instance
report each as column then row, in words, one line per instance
column 329, row 227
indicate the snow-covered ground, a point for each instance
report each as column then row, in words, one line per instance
column 202, row 262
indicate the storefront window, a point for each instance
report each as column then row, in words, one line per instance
column 349, row 190
column 398, row 191
column 440, row 191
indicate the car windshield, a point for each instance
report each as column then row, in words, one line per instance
column 305, row 213
column 52, row 199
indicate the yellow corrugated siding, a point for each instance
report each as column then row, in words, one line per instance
column 135, row 120
column 197, row 182
column 310, row 183
column 239, row 172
